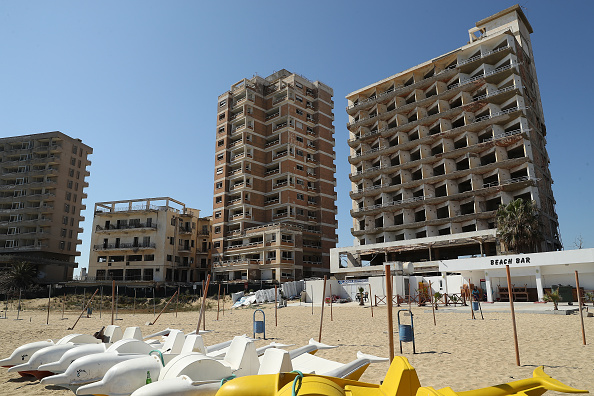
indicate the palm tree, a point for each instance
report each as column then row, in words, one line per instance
column 518, row 226
column 20, row 275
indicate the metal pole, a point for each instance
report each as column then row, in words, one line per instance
column 202, row 306
column 322, row 313
column 389, row 302
column 275, row 305
column 177, row 301
column 513, row 313
column 154, row 303
column 117, row 300
column 134, row 312
column 204, row 291
column 312, row 299
column 49, row 300
column 112, row 298
column 432, row 305
column 331, row 298
column 370, row 301
column 64, row 303
column 101, row 303
column 218, row 301
column 19, row 306
column 83, row 310
column 579, row 296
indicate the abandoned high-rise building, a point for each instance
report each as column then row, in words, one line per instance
column 149, row 240
column 41, row 192
column 274, row 201
column 435, row 149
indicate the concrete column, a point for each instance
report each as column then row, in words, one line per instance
column 539, row 288
column 488, row 287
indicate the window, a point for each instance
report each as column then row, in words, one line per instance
column 217, row 230
column 221, row 116
column 62, row 245
column 77, row 174
column 299, row 139
column 220, row 171
column 72, row 161
column 74, row 149
column 69, row 184
column 220, row 156
column 300, row 196
column 299, row 111
column 221, row 142
column 75, row 198
column 69, row 246
column 299, row 181
column 171, row 240
column 65, row 220
column 169, row 258
column 299, row 167
column 219, row 184
column 299, row 125
column 298, row 98
column 63, row 232
column 79, row 163
column 149, row 257
column 218, row 199
column 300, row 212
column 217, row 245
column 101, row 259
column 71, row 221
column 299, row 152
column 223, row 103
column 298, row 85
column 75, row 186
column 222, row 129
column 71, row 172
column 68, row 195
column 66, row 208
column 70, row 234
column 217, row 214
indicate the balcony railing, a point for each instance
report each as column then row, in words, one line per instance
column 125, row 246
column 389, row 204
column 133, row 226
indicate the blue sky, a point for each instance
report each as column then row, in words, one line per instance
column 138, row 81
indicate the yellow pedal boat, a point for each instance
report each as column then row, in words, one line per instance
column 401, row 380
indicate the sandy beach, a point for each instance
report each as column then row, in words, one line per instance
column 459, row 352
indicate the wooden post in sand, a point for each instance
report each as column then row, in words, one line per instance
column 205, row 292
column 218, row 301
column 511, row 303
column 112, row 298
column 202, row 306
column 275, row 305
column 389, row 302
column 100, row 302
column 165, row 307
column 49, row 301
column 322, row 313
column 83, row 310
column 312, row 299
column 134, row 310
column 579, row 296
column 432, row 305
column 64, row 304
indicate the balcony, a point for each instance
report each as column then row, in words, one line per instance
column 271, row 116
column 240, row 185
column 122, row 227
column 236, row 115
column 271, row 201
column 184, row 248
column 125, row 246
column 185, row 230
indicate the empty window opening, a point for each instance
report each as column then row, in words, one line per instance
column 465, row 186
column 517, row 152
column 437, row 149
column 395, row 160
column 433, row 110
column 396, row 180
column 435, row 129
column 488, row 158
column 413, row 117
column 397, row 197
column 415, row 155
column 456, row 102
column 444, row 231
column 430, row 73
column 420, row 215
column 431, row 92
column 399, row 219
column 410, row 81
column 525, row 197
column 413, row 136
column 379, row 222
column 519, row 173
column 469, row 228
column 439, row 170
column 418, row 193
column 399, row 237
column 443, row 212
column 421, row 234
column 460, row 143
column 491, row 180
column 417, row 175
column 458, row 123
column 492, row 204
column 463, row 164
column 467, row 208
column 441, row 191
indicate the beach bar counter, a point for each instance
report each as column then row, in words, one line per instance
column 531, row 274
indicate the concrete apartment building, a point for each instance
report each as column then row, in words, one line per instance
column 149, row 240
column 274, row 212
column 435, row 149
column 42, row 181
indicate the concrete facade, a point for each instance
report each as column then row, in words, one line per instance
column 42, row 182
column 274, row 212
column 149, row 240
column 435, row 149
